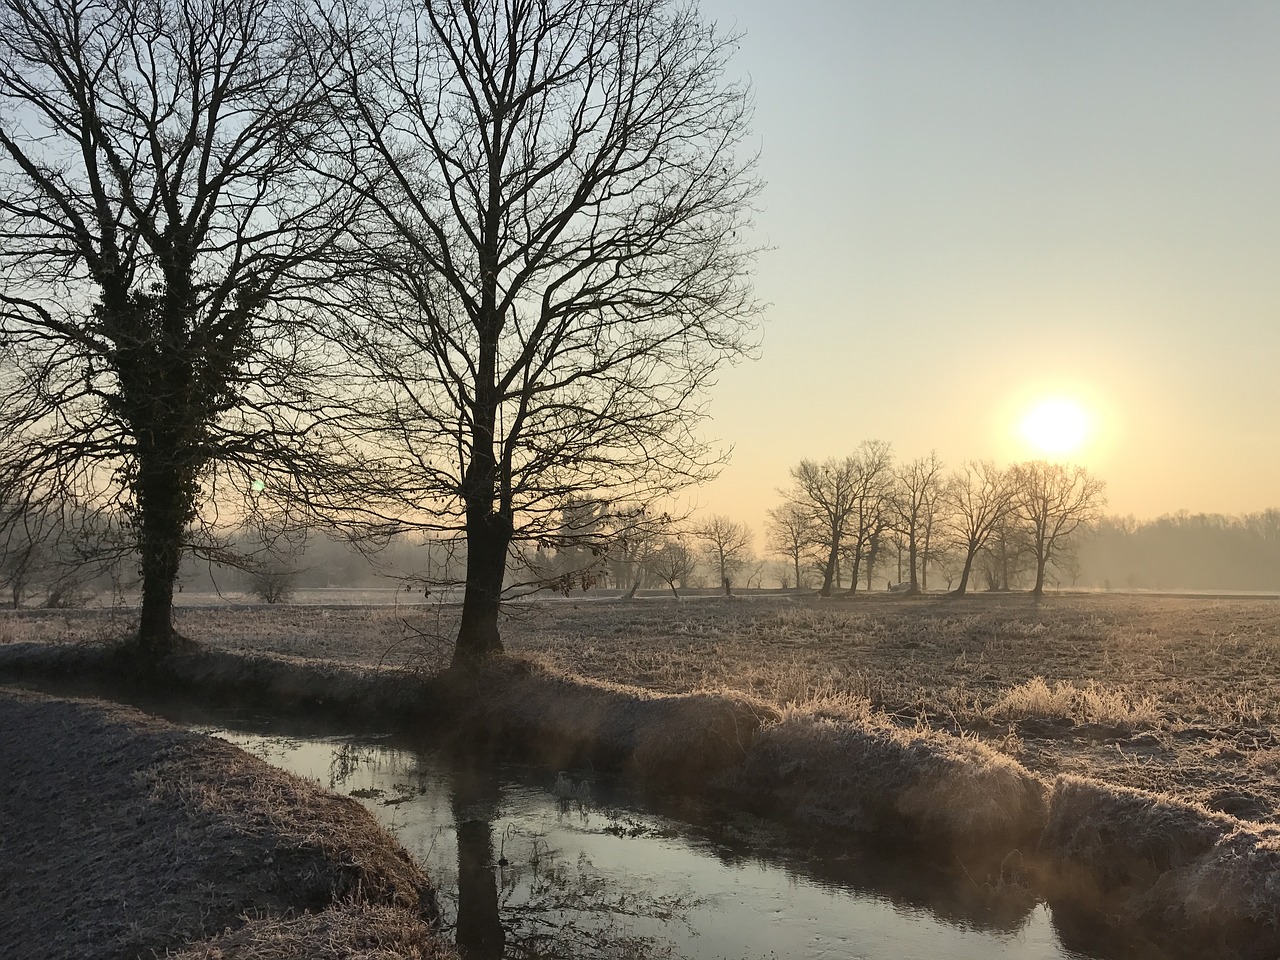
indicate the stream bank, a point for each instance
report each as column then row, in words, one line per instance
column 1199, row 882
column 125, row 837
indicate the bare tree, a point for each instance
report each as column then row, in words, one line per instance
column 917, row 488
column 673, row 562
column 636, row 535
column 792, row 535
column 1008, row 554
column 978, row 498
column 875, row 545
column 1053, row 501
column 560, row 200
column 153, row 206
column 727, row 544
column 872, row 503
column 845, row 501
column 36, row 552
column 824, row 492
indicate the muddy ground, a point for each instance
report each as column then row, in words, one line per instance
column 1173, row 694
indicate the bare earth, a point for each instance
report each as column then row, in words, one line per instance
column 1171, row 694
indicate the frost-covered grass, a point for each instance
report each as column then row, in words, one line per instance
column 1179, row 695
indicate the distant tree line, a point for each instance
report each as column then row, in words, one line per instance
column 846, row 520
column 1205, row 551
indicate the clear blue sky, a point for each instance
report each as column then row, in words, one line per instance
column 976, row 204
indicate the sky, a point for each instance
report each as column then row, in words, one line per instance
column 974, row 206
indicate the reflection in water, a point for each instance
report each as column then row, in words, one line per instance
column 564, row 871
column 474, row 798
column 526, row 899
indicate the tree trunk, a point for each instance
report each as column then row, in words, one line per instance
column 1038, row 589
column 488, row 536
column 964, row 573
column 829, row 572
column 163, row 508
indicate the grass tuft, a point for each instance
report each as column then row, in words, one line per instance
column 1093, row 703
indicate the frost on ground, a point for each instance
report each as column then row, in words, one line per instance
column 125, row 836
column 1176, row 695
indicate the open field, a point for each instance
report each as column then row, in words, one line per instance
column 1175, row 695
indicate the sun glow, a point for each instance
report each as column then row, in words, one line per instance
column 1056, row 427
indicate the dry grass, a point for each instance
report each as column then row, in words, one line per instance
column 346, row 931
column 565, row 720
column 1203, row 879
column 1176, row 694
column 1091, row 703
column 864, row 773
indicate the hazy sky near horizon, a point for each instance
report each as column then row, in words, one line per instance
column 973, row 206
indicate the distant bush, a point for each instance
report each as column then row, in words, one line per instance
column 273, row 583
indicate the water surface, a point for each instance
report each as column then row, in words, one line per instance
column 537, row 863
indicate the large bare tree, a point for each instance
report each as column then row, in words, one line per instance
column 1053, row 501
column 845, row 502
column 153, row 204
column 561, row 194
column 914, row 506
column 978, row 499
column 674, row 561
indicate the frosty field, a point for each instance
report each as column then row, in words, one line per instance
column 1177, row 695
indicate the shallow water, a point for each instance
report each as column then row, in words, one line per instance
column 543, row 864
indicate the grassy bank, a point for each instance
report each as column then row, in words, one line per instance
column 124, row 837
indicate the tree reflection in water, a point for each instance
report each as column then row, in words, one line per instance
column 525, row 901
column 475, row 798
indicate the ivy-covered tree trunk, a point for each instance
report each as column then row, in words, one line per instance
column 173, row 382
column 159, row 164
column 162, row 514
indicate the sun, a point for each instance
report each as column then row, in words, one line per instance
column 1056, row 427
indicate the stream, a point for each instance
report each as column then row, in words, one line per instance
column 563, row 864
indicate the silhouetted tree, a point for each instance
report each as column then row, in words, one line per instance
column 634, row 537
column 673, row 562
column 153, row 205
column 824, row 492
column 913, row 502
column 872, row 503
column 1053, row 501
column 727, row 544
column 560, row 201
column 978, row 497
column 1007, row 554
column 792, row 535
